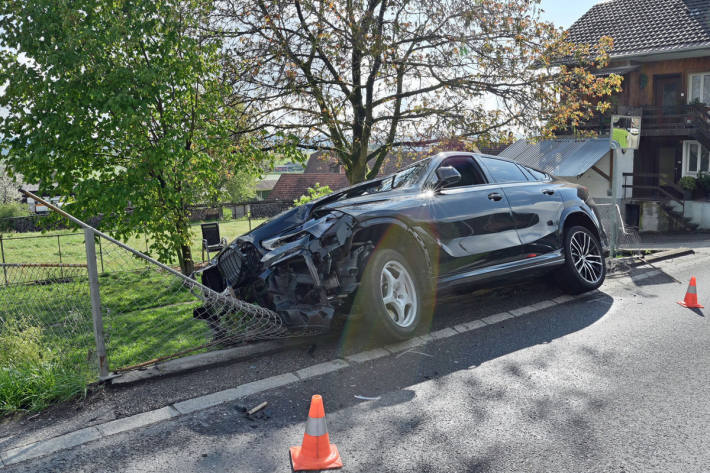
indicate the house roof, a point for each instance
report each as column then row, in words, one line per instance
column 293, row 186
column 265, row 184
column 642, row 27
column 564, row 157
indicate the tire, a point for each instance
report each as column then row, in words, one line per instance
column 585, row 268
column 392, row 294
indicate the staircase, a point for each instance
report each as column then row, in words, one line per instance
column 680, row 221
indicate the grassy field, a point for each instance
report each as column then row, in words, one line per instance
column 38, row 247
column 46, row 331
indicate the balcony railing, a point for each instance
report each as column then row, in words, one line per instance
column 679, row 120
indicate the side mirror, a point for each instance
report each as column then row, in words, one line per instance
column 446, row 176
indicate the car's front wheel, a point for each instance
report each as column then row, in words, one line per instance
column 584, row 268
column 391, row 294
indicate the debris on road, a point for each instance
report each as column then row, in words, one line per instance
column 367, row 398
column 257, row 408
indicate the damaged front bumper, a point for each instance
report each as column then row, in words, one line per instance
column 306, row 274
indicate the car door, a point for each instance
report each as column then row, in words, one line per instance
column 473, row 221
column 534, row 201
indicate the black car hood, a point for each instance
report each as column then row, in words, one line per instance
column 359, row 202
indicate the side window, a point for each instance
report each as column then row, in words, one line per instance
column 537, row 175
column 471, row 174
column 503, row 171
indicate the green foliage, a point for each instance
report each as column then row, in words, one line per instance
column 688, row 183
column 240, row 187
column 703, row 181
column 315, row 192
column 13, row 209
column 121, row 104
column 32, row 376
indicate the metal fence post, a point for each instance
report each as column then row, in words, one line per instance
column 96, row 302
column 4, row 268
column 59, row 246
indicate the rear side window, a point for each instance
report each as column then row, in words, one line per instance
column 503, row 171
column 537, row 175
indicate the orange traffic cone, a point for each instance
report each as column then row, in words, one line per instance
column 691, row 296
column 316, row 452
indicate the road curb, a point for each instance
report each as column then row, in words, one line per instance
column 202, row 360
column 73, row 439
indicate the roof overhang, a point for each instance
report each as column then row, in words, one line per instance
column 563, row 157
column 661, row 54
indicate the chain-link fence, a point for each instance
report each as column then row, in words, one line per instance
column 620, row 235
column 102, row 306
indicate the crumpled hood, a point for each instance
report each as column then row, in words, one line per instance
column 294, row 219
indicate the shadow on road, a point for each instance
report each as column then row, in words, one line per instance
column 393, row 378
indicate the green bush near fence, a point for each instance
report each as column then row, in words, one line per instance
column 47, row 348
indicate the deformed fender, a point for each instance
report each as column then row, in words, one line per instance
column 418, row 233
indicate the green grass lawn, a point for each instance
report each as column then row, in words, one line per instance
column 46, row 331
column 47, row 347
column 38, row 247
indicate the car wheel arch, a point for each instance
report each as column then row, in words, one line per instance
column 578, row 216
column 389, row 230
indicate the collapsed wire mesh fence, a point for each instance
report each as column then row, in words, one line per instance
column 145, row 309
column 621, row 237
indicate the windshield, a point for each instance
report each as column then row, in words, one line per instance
column 404, row 178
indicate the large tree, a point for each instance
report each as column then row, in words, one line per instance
column 120, row 104
column 363, row 77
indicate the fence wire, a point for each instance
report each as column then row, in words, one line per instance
column 621, row 236
column 149, row 311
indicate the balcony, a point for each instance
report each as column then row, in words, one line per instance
column 691, row 120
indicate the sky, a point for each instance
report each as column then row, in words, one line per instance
column 565, row 12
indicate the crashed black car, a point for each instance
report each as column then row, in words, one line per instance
column 383, row 249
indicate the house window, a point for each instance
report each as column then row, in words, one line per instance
column 699, row 88
column 696, row 159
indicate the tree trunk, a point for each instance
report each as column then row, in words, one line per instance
column 358, row 170
column 187, row 265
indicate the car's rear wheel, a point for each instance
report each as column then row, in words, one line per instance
column 391, row 294
column 584, row 268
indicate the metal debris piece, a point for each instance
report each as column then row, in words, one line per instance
column 257, row 408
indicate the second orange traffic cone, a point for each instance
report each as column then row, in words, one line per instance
column 316, row 452
column 691, row 296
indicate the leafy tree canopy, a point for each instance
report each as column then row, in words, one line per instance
column 364, row 77
column 122, row 105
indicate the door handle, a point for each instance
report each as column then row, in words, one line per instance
column 548, row 192
column 495, row 196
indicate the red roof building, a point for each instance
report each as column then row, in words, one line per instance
column 293, row 186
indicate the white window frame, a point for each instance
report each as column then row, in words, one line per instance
column 686, row 161
column 702, row 85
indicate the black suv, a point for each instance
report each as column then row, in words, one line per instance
column 384, row 248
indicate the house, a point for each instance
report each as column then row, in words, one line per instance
column 662, row 50
column 292, row 186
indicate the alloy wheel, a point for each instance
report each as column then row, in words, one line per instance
column 586, row 257
column 399, row 294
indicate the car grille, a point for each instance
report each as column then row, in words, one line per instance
column 230, row 265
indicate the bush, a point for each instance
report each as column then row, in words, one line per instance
column 703, row 181
column 13, row 209
column 688, row 183
column 315, row 192
column 31, row 377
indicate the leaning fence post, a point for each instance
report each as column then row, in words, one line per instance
column 96, row 302
column 4, row 268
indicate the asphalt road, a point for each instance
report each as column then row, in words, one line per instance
column 616, row 382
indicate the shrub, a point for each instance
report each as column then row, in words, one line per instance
column 13, row 209
column 703, row 181
column 688, row 183
column 315, row 192
column 32, row 377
